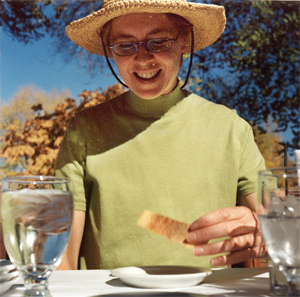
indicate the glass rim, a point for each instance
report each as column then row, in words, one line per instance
column 36, row 179
column 291, row 171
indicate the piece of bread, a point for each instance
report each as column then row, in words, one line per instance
column 174, row 230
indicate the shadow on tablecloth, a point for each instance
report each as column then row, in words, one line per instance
column 152, row 294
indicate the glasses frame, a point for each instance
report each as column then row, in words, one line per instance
column 145, row 43
column 124, row 85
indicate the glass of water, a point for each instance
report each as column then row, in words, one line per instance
column 278, row 205
column 37, row 214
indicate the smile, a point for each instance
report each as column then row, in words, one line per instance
column 147, row 75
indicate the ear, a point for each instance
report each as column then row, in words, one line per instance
column 184, row 43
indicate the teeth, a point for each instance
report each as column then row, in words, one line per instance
column 147, row 75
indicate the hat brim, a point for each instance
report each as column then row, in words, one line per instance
column 208, row 21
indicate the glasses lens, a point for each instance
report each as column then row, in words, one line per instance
column 125, row 48
column 159, row 45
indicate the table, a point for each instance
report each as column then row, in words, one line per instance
column 227, row 282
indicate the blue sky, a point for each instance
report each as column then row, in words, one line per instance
column 35, row 64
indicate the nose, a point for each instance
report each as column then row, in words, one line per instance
column 143, row 55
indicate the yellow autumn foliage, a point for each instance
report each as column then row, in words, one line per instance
column 34, row 147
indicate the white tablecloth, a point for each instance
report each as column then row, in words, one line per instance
column 92, row 283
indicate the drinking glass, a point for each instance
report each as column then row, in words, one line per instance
column 37, row 214
column 278, row 206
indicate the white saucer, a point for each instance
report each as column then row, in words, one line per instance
column 6, row 266
column 7, row 271
column 8, row 276
column 162, row 277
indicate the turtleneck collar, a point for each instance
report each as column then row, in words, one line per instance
column 156, row 107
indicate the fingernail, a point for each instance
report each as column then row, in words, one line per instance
column 194, row 226
column 218, row 261
column 191, row 237
column 198, row 250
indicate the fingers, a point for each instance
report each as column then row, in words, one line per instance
column 238, row 257
column 239, row 249
column 233, row 258
column 218, row 231
column 219, row 216
column 240, row 224
column 222, row 223
column 226, row 246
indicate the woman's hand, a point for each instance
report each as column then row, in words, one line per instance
column 240, row 224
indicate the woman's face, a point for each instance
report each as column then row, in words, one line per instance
column 147, row 74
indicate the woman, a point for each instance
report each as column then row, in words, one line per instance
column 157, row 147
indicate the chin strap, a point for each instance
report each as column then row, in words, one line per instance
column 191, row 59
column 109, row 64
column 122, row 83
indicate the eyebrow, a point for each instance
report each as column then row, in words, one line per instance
column 156, row 31
column 159, row 31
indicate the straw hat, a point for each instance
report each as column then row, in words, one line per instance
column 208, row 20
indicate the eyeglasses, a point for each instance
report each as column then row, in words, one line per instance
column 155, row 45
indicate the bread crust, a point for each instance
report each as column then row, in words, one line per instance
column 174, row 230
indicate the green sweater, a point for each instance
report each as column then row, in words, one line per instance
column 178, row 155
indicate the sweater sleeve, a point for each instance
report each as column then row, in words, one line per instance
column 251, row 163
column 70, row 163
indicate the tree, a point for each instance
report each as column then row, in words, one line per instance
column 24, row 20
column 28, row 21
column 34, row 147
column 22, row 107
column 254, row 67
column 270, row 147
column 19, row 108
